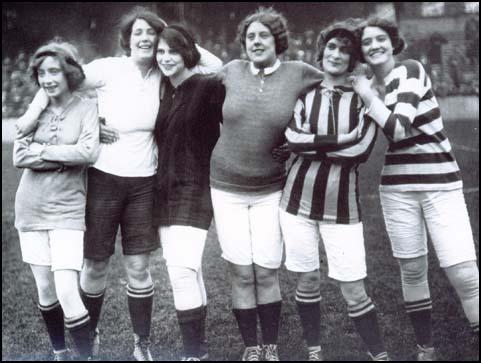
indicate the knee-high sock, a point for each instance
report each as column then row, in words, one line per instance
column 203, row 338
column 365, row 319
column 53, row 317
column 269, row 316
column 80, row 331
column 309, row 309
column 417, row 298
column 190, row 328
column 247, row 322
column 93, row 302
column 140, row 307
column 465, row 279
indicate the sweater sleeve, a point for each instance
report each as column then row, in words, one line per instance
column 301, row 141
column 85, row 151
column 410, row 90
column 26, row 154
column 311, row 76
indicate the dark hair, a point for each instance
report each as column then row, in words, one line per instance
column 345, row 31
column 275, row 21
column 129, row 19
column 181, row 39
column 67, row 55
column 389, row 27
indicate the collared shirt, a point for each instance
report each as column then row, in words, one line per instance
column 268, row 70
column 129, row 102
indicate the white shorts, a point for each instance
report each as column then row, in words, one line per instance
column 63, row 249
column 344, row 245
column 183, row 245
column 248, row 227
column 444, row 213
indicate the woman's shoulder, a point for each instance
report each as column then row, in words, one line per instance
column 84, row 104
column 412, row 67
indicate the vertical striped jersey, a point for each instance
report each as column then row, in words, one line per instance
column 323, row 180
column 419, row 157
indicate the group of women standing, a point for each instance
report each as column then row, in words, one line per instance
column 179, row 148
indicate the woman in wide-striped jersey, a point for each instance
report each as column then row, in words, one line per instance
column 421, row 184
column 331, row 137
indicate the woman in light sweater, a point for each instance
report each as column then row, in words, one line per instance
column 246, row 181
column 421, row 185
column 51, row 197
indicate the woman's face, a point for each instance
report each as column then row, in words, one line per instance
column 260, row 45
column 51, row 77
column 336, row 57
column 376, row 46
column 142, row 41
column 170, row 61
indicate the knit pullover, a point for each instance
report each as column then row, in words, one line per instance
column 256, row 111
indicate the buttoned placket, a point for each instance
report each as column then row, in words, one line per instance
column 261, row 75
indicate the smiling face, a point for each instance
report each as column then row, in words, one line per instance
column 376, row 46
column 336, row 57
column 260, row 45
column 142, row 41
column 52, row 79
column 170, row 61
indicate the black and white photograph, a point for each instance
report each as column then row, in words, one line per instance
column 240, row 181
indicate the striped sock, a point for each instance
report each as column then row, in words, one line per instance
column 419, row 313
column 53, row 317
column 309, row 309
column 247, row 322
column 475, row 327
column 190, row 322
column 93, row 302
column 140, row 307
column 79, row 328
column 365, row 319
column 269, row 317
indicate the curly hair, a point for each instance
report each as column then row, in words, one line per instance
column 181, row 39
column 129, row 19
column 345, row 31
column 272, row 19
column 398, row 42
column 67, row 55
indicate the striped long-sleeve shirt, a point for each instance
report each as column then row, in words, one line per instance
column 323, row 180
column 419, row 157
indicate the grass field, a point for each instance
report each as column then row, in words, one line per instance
column 24, row 336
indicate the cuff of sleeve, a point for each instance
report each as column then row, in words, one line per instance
column 378, row 111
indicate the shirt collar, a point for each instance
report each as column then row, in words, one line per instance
column 267, row 70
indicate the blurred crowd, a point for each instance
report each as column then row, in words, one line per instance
column 459, row 77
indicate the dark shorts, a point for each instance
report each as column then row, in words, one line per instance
column 114, row 201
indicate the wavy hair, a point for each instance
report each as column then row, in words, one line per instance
column 181, row 39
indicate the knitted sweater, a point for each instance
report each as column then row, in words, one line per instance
column 52, row 190
column 256, row 112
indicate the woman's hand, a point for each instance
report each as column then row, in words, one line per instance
column 108, row 135
column 363, row 86
column 281, row 153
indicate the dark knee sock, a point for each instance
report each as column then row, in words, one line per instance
column 53, row 317
column 93, row 303
column 140, row 307
column 203, row 338
column 309, row 309
column 364, row 317
column 190, row 322
column 269, row 316
column 247, row 322
column 419, row 313
column 79, row 328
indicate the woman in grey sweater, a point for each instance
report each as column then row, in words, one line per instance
column 51, row 196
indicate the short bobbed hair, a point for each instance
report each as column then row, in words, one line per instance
column 270, row 18
column 67, row 55
column 129, row 19
column 398, row 43
column 345, row 31
column 181, row 39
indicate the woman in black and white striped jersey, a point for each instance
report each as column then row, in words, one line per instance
column 321, row 196
column 421, row 185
